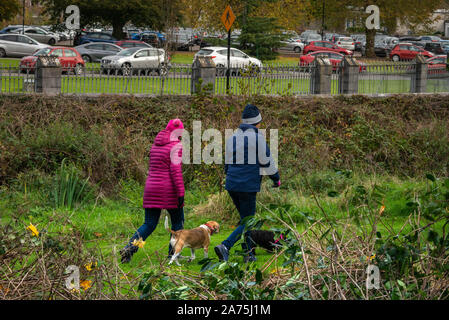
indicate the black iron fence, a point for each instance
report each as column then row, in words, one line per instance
column 277, row 79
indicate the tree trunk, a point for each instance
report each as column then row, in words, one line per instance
column 369, row 49
column 117, row 30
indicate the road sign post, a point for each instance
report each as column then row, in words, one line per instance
column 228, row 19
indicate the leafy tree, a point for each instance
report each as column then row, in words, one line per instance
column 9, row 9
column 259, row 36
column 142, row 13
column 411, row 13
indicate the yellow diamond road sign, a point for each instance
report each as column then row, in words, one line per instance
column 228, row 18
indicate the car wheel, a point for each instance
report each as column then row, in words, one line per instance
column 297, row 49
column 52, row 42
column 126, row 69
column 396, row 58
column 86, row 58
column 2, row 53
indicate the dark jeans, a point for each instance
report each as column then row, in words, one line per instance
column 245, row 202
column 152, row 216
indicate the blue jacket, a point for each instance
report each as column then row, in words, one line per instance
column 247, row 160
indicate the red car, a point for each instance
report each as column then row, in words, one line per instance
column 334, row 58
column 325, row 46
column 131, row 44
column 437, row 65
column 408, row 51
column 69, row 59
column 438, row 62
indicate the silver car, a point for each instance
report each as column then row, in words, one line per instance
column 95, row 51
column 139, row 59
column 312, row 37
column 16, row 45
column 292, row 45
column 38, row 34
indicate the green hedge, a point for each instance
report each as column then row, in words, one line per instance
column 109, row 137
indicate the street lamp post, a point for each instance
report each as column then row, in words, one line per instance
column 322, row 20
column 23, row 17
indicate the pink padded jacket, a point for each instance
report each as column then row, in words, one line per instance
column 164, row 183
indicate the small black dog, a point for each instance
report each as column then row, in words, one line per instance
column 261, row 238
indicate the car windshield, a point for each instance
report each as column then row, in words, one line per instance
column 42, row 52
column 204, row 52
column 127, row 52
column 346, row 39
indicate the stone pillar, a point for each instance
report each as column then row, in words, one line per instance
column 203, row 75
column 48, row 75
column 420, row 81
column 321, row 79
column 349, row 76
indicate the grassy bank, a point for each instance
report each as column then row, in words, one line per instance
column 364, row 181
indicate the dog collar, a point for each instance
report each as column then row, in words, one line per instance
column 210, row 228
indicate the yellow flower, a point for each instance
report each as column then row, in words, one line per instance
column 139, row 243
column 86, row 284
column 382, row 209
column 33, row 230
column 90, row 266
column 370, row 258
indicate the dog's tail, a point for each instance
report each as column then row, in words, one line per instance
column 167, row 227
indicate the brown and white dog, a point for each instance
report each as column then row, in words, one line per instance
column 191, row 238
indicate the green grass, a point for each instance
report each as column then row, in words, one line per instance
column 110, row 223
column 239, row 85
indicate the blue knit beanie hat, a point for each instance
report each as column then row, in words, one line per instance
column 251, row 115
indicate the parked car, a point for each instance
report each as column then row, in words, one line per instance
column 10, row 28
column 431, row 38
column 238, row 59
column 150, row 38
column 325, row 46
column 360, row 42
column 69, row 59
column 312, row 37
column 292, row 45
column 94, row 51
column 417, row 41
column 445, row 46
column 306, row 33
column 384, row 45
column 38, row 34
column 135, row 59
column 345, row 42
column 331, row 36
column 434, row 47
column 154, row 38
column 96, row 37
column 334, row 58
column 125, row 44
column 408, row 51
column 16, row 45
column 437, row 62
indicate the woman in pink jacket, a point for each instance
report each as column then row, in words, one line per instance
column 164, row 187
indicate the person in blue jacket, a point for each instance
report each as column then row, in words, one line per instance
column 247, row 160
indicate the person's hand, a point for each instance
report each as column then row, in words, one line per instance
column 180, row 202
column 276, row 184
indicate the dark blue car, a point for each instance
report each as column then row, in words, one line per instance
column 9, row 29
column 138, row 36
column 97, row 37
